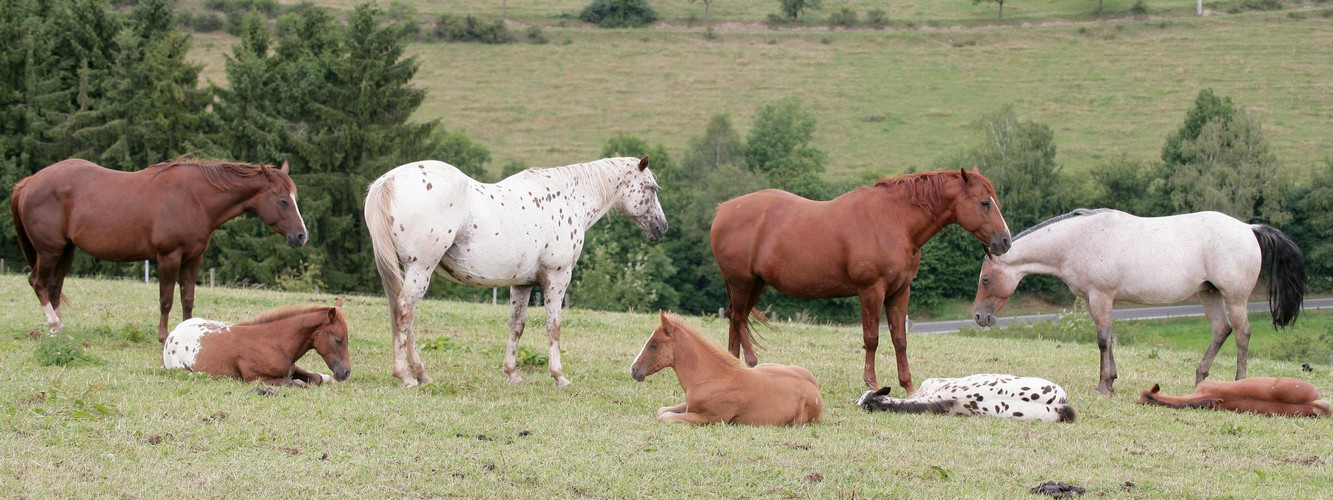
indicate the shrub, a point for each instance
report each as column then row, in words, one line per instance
column 1262, row 4
column 1139, row 8
column 468, row 29
column 877, row 18
column 845, row 17
column 537, row 36
column 206, row 22
column 619, row 13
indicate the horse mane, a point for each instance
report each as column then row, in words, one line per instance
column 924, row 187
column 282, row 313
column 1075, row 213
column 593, row 174
column 220, row 174
column 710, row 347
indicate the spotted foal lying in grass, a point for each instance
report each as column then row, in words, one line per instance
column 1005, row 396
column 1264, row 395
column 265, row 348
column 719, row 388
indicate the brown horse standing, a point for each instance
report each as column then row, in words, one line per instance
column 866, row 243
column 719, row 389
column 1284, row 396
column 165, row 212
column 265, row 348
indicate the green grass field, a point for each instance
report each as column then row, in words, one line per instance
column 885, row 101
column 124, row 427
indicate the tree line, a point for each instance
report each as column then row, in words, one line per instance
column 334, row 98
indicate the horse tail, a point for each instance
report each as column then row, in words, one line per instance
column 379, row 201
column 25, row 242
column 878, row 402
column 1286, row 273
column 758, row 316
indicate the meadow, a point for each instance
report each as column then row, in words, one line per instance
column 885, row 101
column 121, row 426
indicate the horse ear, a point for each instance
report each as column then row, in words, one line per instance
column 333, row 314
column 667, row 326
column 338, row 302
column 643, row 163
column 1154, row 389
column 963, row 172
column 284, row 168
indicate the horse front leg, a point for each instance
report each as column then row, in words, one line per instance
column 168, row 269
column 871, row 299
column 554, row 295
column 896, row 309
column 1100, row 307
column 518, row 317
column 1216, row 313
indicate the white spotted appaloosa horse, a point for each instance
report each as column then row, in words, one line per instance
column 1107, row 256
column 525, row 230
column 993, row 395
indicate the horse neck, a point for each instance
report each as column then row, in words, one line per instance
column 929, row 221
column 1039, row 253
column 696, row 362
column 285, row 336
column 222, row 205
column 591, row 188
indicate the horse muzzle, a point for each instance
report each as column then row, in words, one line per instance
column 297, row 239
column 341, row 373
column 637, row 374
column 984, row 318
column 999, row 244
column 655, row 230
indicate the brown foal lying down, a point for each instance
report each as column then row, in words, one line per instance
column 265, row 348
column 719, row 388
column 1264, row 395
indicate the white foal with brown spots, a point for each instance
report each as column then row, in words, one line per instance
column 1004, row 396
column 426, row 217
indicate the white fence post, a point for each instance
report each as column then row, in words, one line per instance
column 495, row 295
column 212, row 276
column 145, row 271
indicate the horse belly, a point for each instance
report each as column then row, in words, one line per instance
column 492, row 271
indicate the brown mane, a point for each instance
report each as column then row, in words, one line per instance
column 282, row 313
column 221, row 173
column 711, row 347
column 924, row 187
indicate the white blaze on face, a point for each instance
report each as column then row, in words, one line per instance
column 298, row 213
column 182, row 345
column 996, row 204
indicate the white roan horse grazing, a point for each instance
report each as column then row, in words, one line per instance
column 1107, row 256
column 992, row 395
column 522, row 231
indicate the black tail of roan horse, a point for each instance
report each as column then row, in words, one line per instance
column 1286, row 273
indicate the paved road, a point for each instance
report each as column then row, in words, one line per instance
column 1139, row 313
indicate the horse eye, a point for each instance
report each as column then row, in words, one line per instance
column 985, row 203
column 985, row 280
column 652, row 345
column 282, row 202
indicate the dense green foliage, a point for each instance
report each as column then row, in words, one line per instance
column 334, row 96
column 619, row 13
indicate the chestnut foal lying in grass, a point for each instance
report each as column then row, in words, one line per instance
column 265, row 348
column 719, row 388
column 1264, row 395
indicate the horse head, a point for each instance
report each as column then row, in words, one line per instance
column 1147, row 397
column 978, row 211
column 330, row 340
column 658, row 352
column 276, row 206
column 636, row 198
column 996, row 284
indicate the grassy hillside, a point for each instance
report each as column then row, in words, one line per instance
column 678, row 12
column 885, row 101
column 123, row 427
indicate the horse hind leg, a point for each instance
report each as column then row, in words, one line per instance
column 407, row 364
column 742, row 301
column 518, row 317
column 1100, row 306
column 1238, row 312
column 1216, row 312
column 40, row 279
column 55, row 287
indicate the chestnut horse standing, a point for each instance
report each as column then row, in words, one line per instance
column 165, row 212
column 1263, row 395
column 719, row 389
column 265, row 348
column 865, row 243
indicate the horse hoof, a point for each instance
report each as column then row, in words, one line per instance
column 409, row 383
column 1105, row 390
column 325, row 379
column 425, row 379
column 562, row 381
column 514, row 379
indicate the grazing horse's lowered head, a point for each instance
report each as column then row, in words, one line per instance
column 276, row 206
column 977, row 210
column 330, row 340
column 636, row 197
column 996, row 284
